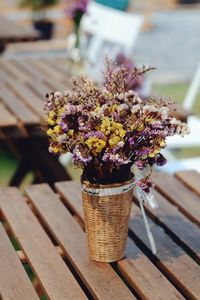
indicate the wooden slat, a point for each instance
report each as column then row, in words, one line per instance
column 47, row 265
column 40, row 88
column 142, row 275
column 61, row 66
column 70, row 192
column 182, row 270
column 28, row 97
column 14, row 282
column 178, row 194
column 13, row 71
column 6, row 118
column 46, row 69
column 191, row 179
column 18, row 107
column 28, row 70
column 172, row 219
column 10, row 30
column 57, row 85
column 100, row 279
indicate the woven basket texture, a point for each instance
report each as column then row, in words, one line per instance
column 106, row 222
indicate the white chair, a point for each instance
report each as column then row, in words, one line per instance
column 108, row 32
column 189, row 141
column 192, row 140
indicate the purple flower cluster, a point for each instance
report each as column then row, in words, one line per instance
column 109, row 129
column 74, row 7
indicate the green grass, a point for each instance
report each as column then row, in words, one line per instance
column 8, row 165
column 177, row 92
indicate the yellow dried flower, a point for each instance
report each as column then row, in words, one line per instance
column 141, row 127
column 162, row 143
column 106, row 126
column 95, row 144
column 57, row 129
column 71, row 132
column 114, row 140
column 50, row 131
column 51, row 114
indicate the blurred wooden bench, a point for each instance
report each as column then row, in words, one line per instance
column 11, row 31
column 36, row 49
column 23, row 85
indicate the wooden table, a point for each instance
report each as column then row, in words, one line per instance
column 49, row 229
column 23, row 85
column 13, row 32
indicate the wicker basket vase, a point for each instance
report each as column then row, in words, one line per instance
column 107, row 211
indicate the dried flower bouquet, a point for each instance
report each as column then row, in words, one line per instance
column 109, row 129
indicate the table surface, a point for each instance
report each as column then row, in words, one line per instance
column 23, row 85
column 12, row 31
column 49, row 229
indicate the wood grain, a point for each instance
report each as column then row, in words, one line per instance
column 21, row 111
column 178, row 224
column 100, row 279
column 46, row 263
column 191, row 179
column 171, row 258
column 178, row 194
column 12, row 274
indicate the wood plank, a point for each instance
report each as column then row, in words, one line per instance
column 191, row 179
column 178, row 194
column 6, row 118
column 48, row 266
column 57, row 85
column 20, row 110
column 46, row 69
column 141, row 274
column 61, row 66
column 144, row 277
column 172, row 219
column 182, row 270
column 25, row 65
column 32, row 100
column 13, row 71
column 71, row 195
column 100, row 279
column 40, row 87
column 12, row 274
column 13, row 30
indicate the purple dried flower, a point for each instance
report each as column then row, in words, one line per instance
column 115, row 158
column 76, row 6
column 160, row 160
column 97, row 134
column 79, row 158
column 64, row 126
column 140, row 164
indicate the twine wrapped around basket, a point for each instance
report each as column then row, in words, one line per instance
column 107, row 210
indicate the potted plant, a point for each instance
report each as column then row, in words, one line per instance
column 40, row 22
column 108, row 130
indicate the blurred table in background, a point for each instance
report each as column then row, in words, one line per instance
column 13, row 32
column 23, row 85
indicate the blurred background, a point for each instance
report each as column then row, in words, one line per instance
column 164, row 34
